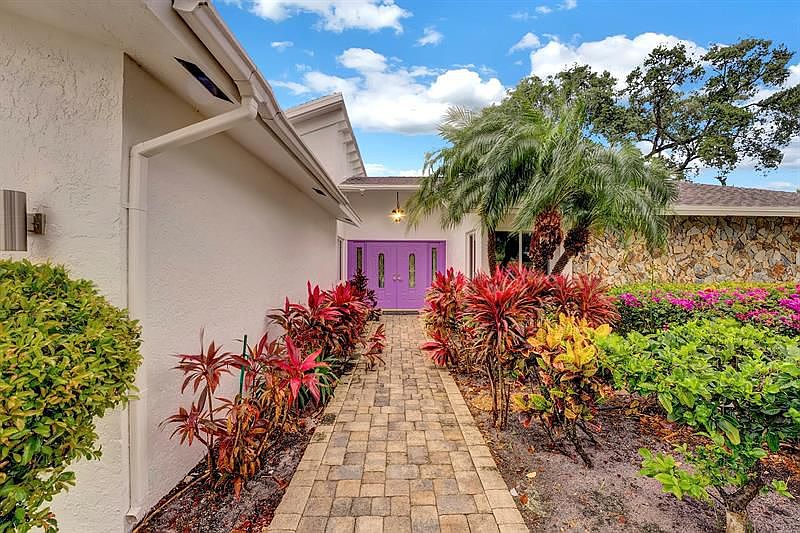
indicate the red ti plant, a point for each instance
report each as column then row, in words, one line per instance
column 584, row 297
column 300, row 371
column 443, row 317
column 501, row 312
column 203, row 371
column 375, row 347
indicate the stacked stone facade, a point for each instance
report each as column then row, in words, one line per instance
column 703, row 249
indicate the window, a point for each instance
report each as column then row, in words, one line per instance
column 434, row 262
column 471, row 258
column 513, row 247
column 359, row 258
column 340, row 256
column 412, row 271
column 381, row 280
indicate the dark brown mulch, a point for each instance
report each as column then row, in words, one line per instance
column 207, row 509
column 558, row 493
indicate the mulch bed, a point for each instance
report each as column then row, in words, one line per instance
column 558, row 493
column 206, row 509
column 203, row 508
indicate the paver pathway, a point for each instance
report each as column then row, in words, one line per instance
column 403, row 454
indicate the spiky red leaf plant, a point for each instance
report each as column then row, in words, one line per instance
column 375, row 346
column 443, row 317
column 300, row 370
column 500, row 312
column 584, row 297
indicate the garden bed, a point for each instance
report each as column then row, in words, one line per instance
column 203, row 508
column 557, row 493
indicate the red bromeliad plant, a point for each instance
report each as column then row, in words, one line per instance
column 501, row 313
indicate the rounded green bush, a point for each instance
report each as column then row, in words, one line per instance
column 66, row 357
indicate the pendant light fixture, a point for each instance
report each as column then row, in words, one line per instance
column 398, row 213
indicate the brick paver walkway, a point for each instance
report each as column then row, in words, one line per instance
column 402, row 455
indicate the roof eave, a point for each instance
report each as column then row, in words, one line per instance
column 740, row 211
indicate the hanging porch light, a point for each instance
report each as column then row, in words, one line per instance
column 398, row 213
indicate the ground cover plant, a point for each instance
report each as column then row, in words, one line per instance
column 68, row 356
column 648, row 308
column 736, row 385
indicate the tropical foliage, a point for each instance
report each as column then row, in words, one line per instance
column 68, row 356
column 737, row 385
column 279, row 379
column 565, row 385
column 538, row 168
column 652, row 308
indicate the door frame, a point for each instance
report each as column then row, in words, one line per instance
column 441, row 258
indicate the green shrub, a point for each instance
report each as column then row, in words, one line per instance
column 736, row 384
column 67, row 357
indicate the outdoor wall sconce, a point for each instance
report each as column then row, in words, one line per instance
column 16, row 222
column 398, row 213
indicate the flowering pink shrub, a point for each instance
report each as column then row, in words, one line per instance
column 648, row 309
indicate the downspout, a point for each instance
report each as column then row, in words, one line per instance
column 137, row 261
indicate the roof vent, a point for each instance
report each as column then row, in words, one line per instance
column 318, row 191
column 201, row 76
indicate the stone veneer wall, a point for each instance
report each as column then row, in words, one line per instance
column 703, row 249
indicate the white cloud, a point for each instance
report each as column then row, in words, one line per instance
column 386, row 97
column 783, row 185
column 430, row 36
column 379, row 169
column 529, row 41
column 294, row 87
column 569, row 4
column 362, row 59
column 544, row 10
column 522, row 15
column 337, row 15
column 280, row 46
column 617, row 54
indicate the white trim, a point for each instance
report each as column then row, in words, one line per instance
column 363, row 187
column 733, row 211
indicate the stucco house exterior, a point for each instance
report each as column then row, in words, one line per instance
column 172, row 179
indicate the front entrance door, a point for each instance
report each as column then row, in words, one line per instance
column 399, row 271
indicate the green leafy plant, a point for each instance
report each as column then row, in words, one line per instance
column 737, row 385
column 68, row 356
column 566, row 388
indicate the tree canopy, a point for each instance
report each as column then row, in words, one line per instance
column 718, row 110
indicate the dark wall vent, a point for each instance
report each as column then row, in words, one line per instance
column 200, row 76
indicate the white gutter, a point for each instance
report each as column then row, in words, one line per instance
column 137, row 260
column 365, row 187
column 734, row 211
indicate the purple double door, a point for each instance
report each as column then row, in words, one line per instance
column 399, row 271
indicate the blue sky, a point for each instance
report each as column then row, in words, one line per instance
column 401, row 64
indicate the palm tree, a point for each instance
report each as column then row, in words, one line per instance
column 536, row 167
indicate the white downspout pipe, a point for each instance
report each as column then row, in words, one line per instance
column 137, row 261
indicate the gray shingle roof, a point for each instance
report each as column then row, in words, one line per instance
column 694, row 194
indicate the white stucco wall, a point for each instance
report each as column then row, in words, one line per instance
column 374, row 206
column 60, row 142
column 227, row 239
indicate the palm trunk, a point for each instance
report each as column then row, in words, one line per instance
column 491, row 245
column 545, row 238
column 575, row 243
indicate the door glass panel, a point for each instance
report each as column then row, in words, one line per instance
column 506, row 248
column 527, row 257
column 359, row 258
column 434, row 262
column 380, row 271
column 412, row 271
